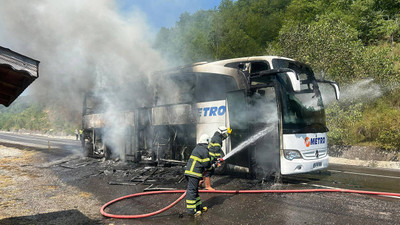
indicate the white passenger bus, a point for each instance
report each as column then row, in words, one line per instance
column 246, row 94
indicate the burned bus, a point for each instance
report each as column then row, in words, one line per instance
column 246, row 94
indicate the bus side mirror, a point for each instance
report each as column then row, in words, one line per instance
column 337, row 91
column 334, row 85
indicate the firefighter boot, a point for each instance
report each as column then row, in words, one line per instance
column 207, row 181
column 197, row 214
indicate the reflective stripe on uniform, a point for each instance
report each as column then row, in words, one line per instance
column 193, row 173
column 198, row 159
column 198, row 201
column 192, row 167
column 191, row 206
column 214, row 145
column 214, row 154
column 191, row 201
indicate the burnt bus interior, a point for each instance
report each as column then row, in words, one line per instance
column 172, row 128
column 167, row 130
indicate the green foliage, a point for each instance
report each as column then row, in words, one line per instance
column 376, row 62
column 341, row 121
column 188, row 41
column 31, row 118
column 381, row 121
column 245, row 27
column 331, row 47
column 375, row 123
column 374, row 20
column 236, row 29
column 26, row 113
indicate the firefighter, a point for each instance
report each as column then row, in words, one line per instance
column 216, row 153
column 197, row 164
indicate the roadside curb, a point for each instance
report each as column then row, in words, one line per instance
column 365, row 163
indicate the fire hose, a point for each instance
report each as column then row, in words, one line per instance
column 224, row 192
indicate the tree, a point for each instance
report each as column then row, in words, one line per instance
column 188, row 41
column 331, row 47
column 236, row 29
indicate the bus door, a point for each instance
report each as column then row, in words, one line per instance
column 264, row 157
column 249, row 114
column 237, row 121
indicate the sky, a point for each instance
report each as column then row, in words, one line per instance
column 164, row 13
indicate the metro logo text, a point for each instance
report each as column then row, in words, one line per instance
column 314, row 141
column 212, row 111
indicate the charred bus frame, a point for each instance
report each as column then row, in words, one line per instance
column 226, row 92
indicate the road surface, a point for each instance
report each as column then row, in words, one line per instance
column 40, row 141
column 71, row 173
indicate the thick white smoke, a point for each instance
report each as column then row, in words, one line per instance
column 82, row 45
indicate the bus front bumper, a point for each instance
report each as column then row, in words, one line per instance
column 303, row 166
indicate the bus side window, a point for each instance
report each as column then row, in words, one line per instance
column 259, row 66
column 175, row 89
column 212, row 87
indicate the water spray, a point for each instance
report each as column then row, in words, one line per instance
column 249, row 141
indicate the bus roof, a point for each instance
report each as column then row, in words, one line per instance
column 248, row 59
column 222, row 67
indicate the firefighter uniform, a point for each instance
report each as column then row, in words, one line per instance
column 197, row 164
column 215, row 147
column 215, row 152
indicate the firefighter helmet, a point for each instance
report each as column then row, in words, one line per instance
column 224, row 131
column 204, row 139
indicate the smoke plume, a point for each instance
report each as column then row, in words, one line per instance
column 82, row 46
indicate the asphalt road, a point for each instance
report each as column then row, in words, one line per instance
column 40, row 141
column 295, row 208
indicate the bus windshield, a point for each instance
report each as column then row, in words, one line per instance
column 302, row 110
column 302, row 107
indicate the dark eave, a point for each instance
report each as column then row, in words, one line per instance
column 17, row 72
